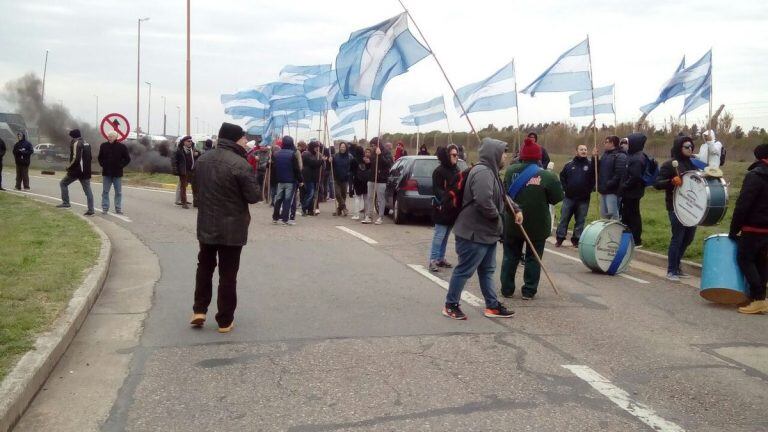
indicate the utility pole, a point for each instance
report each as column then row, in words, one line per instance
column 138, row 76
column 164, row 118
column 149, row 105
column 189, row 66
column 178, row 125
column 45, row 70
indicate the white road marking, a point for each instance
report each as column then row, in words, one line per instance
column 121, row 217
column 466, row 296
column 625, row 276
column 358, row 235
column 622, row 399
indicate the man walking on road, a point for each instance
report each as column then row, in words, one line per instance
column 478, row 229
column 613, row 163
column 578, row 181
column 113, row 157
column 22, row 155
column 222, row 223
column 79, row 169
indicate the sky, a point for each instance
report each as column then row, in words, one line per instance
column 238, row 44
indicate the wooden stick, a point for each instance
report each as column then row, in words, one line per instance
column 376, row 156
column 266, row 186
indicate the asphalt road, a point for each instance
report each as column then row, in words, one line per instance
column 334, row 333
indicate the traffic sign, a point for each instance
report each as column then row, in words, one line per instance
column 116, row 122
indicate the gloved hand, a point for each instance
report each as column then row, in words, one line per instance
column 677, row 181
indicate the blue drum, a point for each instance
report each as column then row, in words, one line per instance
column 721, row 278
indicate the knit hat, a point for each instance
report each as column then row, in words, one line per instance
column 530, row 151
column 761, row 152
column 232, row 132
column 75, row 134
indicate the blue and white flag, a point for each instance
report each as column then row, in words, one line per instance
column 317, row 90
column 571, row 72
column 238, row 112
column 349, row 115
column 493, row 93
column 374, row 55
column 425, row 113
column 699, row 97
column 581, row 102
column 298, row 74
column 685, row 81
column 343, row 133
column 670, row 89
column 289, row 103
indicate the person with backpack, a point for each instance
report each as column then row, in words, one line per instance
column 612, row 165
column 750, row 218
column 578, row 181
column 632, row 187
column 478, row 229
column 534, row 189
column 445, row 206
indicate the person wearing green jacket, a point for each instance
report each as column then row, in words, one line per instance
column 534, row 192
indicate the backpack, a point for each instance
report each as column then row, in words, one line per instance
column 650, row 170
column 452, row 204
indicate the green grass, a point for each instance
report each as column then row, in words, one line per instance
column 145, row 178
column 43, row 254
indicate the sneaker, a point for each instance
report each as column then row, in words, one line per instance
column 499, row 311
column 283, row 223
column 291, row 222
column 639, row 246
column 227, row 329
column 26, row 188
column 185, row 206
column 445, row 264
column 317, row 212
column 453, row 311
column 62, row 205
column 274, row 222
column 355, row 217
column 378, row 221
column 367, row 220
column 104, row 211
column 89, row 213
column 527, row 297
column 119, row 212
column 335, row 213
column 197, row 320
column 575, row 242
column 433, row 266
column 673, row 277
column 682, row 275
column 178, row 203
column 559, row 242
column 344, row 213
column 756, row 307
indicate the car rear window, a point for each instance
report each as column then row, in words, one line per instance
column 425, row 167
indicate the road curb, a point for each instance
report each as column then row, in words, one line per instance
column 167, row 186
column 21, row 385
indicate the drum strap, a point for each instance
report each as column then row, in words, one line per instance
column 626, row 240
column 700, row 165
column 527, row 174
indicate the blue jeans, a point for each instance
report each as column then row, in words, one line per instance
column 117, row 182
column 609, row 206
column 86, row 184
column 439, row 242
column 473, row 257
column 682, row 237
column 571, row 207
column 308, row 203
column 283, row 199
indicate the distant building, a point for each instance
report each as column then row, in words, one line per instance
column 10, row 125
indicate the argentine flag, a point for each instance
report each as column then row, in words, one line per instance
column 685, row 81
column 571, row 72
column 343, row 133
column 348, row 115
column 699, row 97
column 581, row 102
column 289, row 103
column 670, row 89
column 374, row 55
column 493, row 93
column 425, row 113
column 317, row 90
column 298, row 74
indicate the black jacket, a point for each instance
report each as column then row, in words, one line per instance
column 312, row 164
column 752, row 205
column 113, row 157
column 342, row 164
column 443, row 178
column 667, row 171
column 544, row 157
column 359, row 172
column 285, row 165
column 3, row 149
column 578, row 178
column 384, row 165
column 22, row 151
column 222, row 214
column 632, row 185
column 185, row 161
column 613, row 164
column 80, row 159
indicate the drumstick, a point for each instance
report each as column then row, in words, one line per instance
column 676, row 164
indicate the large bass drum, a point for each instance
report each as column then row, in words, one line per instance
column 606, row 246
column 701, row 200
column 721, row 278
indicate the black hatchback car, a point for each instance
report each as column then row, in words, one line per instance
column 409, row 186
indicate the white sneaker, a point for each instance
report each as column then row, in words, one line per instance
column 317, row 212
column 673, row 277
column 378, row 221
column 291, row 222
column 274, row 222
column 355, row 217
column 367, row 220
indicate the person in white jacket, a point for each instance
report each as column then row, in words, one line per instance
column 711, row 150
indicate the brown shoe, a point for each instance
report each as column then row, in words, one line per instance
column 227, row 329
column 756, row 307
column 197, row 320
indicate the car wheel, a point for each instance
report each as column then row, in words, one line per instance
column 398, row 217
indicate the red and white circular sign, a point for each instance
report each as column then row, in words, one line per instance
column 115, row 122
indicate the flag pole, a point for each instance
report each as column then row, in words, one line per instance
column 711, row 93
column 594, row 119
column 615, row 118
column 474, row 131
column 517, row 109
column 366, row 119
column 376, row 157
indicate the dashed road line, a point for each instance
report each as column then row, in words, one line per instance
column 625, row 276
column 466, row 296
column 622, row 399
column 121, row 217
column 358, row 235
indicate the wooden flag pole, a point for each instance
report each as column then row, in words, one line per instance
column 596, row 154
column 376, row 157
column 267, row 174
column 517, row 111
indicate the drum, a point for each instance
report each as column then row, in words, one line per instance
column 701, row 200
column 721, row 278
column 606, row 246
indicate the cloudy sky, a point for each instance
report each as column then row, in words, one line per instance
column 237, row 44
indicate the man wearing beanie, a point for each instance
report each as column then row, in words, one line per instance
column 79, row 169
column 612, row 166
column 750, row 217
column 534, row 189
column 222, row 223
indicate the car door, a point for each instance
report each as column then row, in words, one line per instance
column 393, row 179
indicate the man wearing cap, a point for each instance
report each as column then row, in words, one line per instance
column 113, row 157
column 222, row 223
column 79, row 169
column 184, row 163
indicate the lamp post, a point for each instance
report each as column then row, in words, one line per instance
column 45, row 70
column 164, row 118
column 149, row 104
column 178, row 125
column 189, row 68
column 138, row 76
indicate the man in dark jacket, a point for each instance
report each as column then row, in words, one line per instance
column 342, row 164
column 750, row 217
column 632, row 187
column 2, row 154
column 668, row 179
column 444, row 210
column 311, row 161
column 377, row 182
column 578, row 180
column 79, row 169
column 612, row 166
column 22, row 155
column 222, row 223
column 113, row 157
column 286, row 174
column 184, row 161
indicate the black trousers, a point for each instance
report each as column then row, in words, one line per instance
column 229, row 264
column 1, row 171
column 22, row 176
column 630, row 216
column 753, row 262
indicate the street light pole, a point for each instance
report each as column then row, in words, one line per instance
column 164, row 118
column 138, row 76
column 189, row 67
column 178, row 125
column 45, row 70
column 149, row 105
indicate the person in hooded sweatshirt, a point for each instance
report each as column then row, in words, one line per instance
column 22, row 155
column 400, row 151
column 750, row 218
column 312, row 162
column 632, row 187
column 578, row 180
column 286, row 175
column 2, row 154
column 612, row 165
column 544, row 162
column 79, row 169
column 342, row 167
column 711, row 151
column 534, row 198
column 478, row 229
column 669, row 178
column 360, row 169
column 423, row 150
column 444, row 178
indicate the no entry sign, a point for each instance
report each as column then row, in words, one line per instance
column 115, row 122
